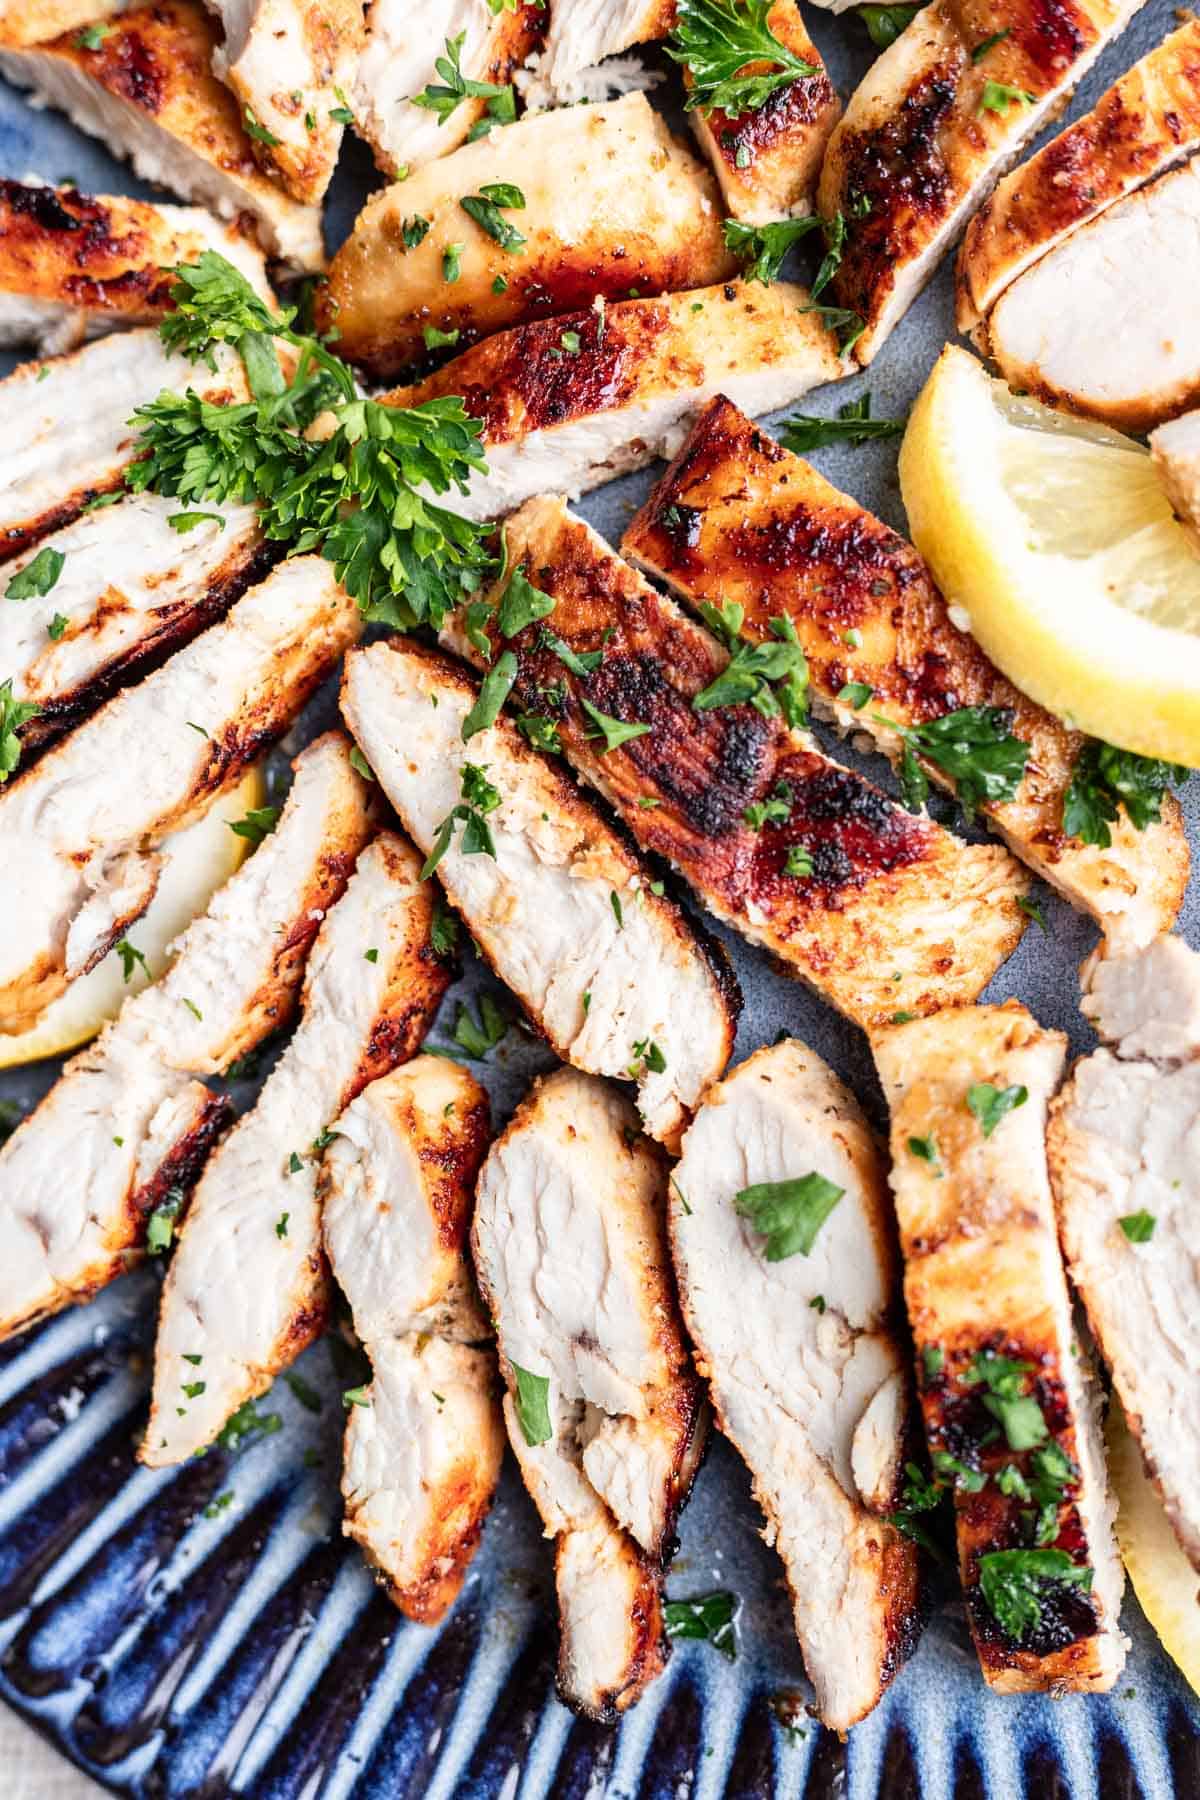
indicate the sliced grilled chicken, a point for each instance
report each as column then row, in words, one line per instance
column 802, row 1355
column 127, row 1122
column 737, row 519
column 425, row 1442
column 291, row 66
column 33, row 21
column 247, row 1289
column 893, row 915
column 76, row 439
column 931, row 126
column 570, row 402
column 78, row 831
column 131, row 588
column 75, row 266
column 1138, row 127
column 1134, row 270
column 1176, row 451
column 1012, row 1410
column 149, row 93
column 603, row 1412
column 583, row 32
column 615, row 975
column 611, row 201
column 1122, row 1148
column 405, row 41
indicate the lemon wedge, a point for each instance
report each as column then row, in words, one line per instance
column 1056, row 539
column 1163, row 1579
column 197, row 861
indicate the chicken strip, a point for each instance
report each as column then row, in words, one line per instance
column 425, row 1441
column 127, row 1125
column 405, row 40
column 598, row 200
column 611, row 971
column 78, row 832
column 603, row 1413
column 931, row 126
column 1012, row 1410
column 1140, row 126
column 248, row 1287
column 130, row 589
column 794, row 1328
column 1122, row 1148
column 738, row 520
column 583, row 32
column 148, row 92
column 633, row 376
column 75, row 266
column 877, row 910
column 1176, row 451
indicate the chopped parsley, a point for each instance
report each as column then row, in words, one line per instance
column 294, row 1165
column 1033, row 909
column 479, row 798
column 452, row 262
column 245, row 1425
column 618, row 915
column 446, row 96
column 494, row 690
column 989, row 1104
column 989, row 43
column 615, row 732
column 776, row 809
column 355, row 1396
column 38, row 576
column 258, row 823
column 1014, row 1584
column 723, row 44
column 359, row 763
column 973, row 745
column 193, row 1009
column 847, row 324
column 997, row 97
column 414, row 231
column 924, row 1149
column 798, row 861
column 476, row 1038
column 856, row 694
column 13, row 714
column 647, row 1056
column 188, row 521
column 57, row 627
column 789, row 1214
column 520, row 605
column 439, row 340
column 853, row 425
column 533, row 1405
column 160, row 1227
column 131, row 959
column 443, row 930
column 579, row 662
column 772, row 676
column 541, row 732
column 92, row 37
column 761, row 249
column 1104, row 779
column 486, row 211
column 885, row 23
column 710, row 1617
column 281, row 1225
column 1138, row 1227
column 257, row 130
column 307, row 1396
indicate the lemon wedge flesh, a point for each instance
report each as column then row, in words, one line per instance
column 1163, row 1579
column 198, row 860
column 1055, row 537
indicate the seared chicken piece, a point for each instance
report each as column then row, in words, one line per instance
column 630, row 389
column 803, row 1358
column 931, row 126
column 604, row 1415
column 149, row 93
column 405, row 40
column 737, row 519
column 291, row 65
column 1012, row 1410
column 1130, row 275
column 78, row 831
column 1122, row 1147
column 74, row 266
column 614, row 975
column 425, row 1441
column 1176, row 451
column 611, row 201
column 1143, row 123
column 248, row 1287
column 131, row 589
column 583, row 32
column 33, row 21
column 76, row 440
column 880, row 911
column 127, row 1123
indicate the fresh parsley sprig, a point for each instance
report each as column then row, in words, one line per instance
column 973, row 745
column 479, row 798
column 761, row 249
column 716, row 41
column 772, row 676
column 1106, row 779
column 446, row 96
column 853, row 425
column 789, row 1214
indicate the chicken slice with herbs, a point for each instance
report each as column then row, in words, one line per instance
column 739, row 522
column 877, row 910
column 536, row 219
column 609, row 969
column 603, row 1413
column 570, row 402
column 112, row 1149
column 79, row 831
column 248, row 1289
column 781, row 1235
column 583, row 33
column 1122, row 1145
column 424, row 1441
column 1012, row 1409
column 1175, row 448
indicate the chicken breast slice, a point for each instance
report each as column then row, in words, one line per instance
column 894, row 913
column 127, row 1126
column 614, row 975
column 931, row 126
column 79, row 831
column 425, row 1442
column 247, row 1289
column 583, row 32
column 149, row 93
column 592, row 223
column 738, row 520
column 630, row 389
column 1175, row 448
column 1122, row 1145
column 799, row 1351
column 405, row 40
column 603, row 1412
column 1012, row 1410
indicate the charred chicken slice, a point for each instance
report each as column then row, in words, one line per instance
column 1012, row 1411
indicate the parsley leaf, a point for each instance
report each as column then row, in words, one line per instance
column 1138, row 1227
column 258, row 823
column 584, row 662
column 997, row 97
column 853, row 425
column 885, row 23
column 475, row 1039
column 445, row 97
column 989, row 1104
column 1015, row 1582
column 245, row 1425
column 532, row 1405
column 494, row 690
column 776, row 809
column 257, row 130
column 38, row 576
column 1104, row 779
column 520, row 604
column 848, row 324
column 789, row 1214
column 488, row 216
column 130, row 959
column 856, row 694
column 710, row 1617
column 615, row 732
column 762, row 248
column 798, row 861
column 92, row 37
column 414, row 231
column 13, row 714
column 160, row 1227
column 973, row 745
column 479, row 798
column 989, row 43
column 443, row 930
column 541, row 731
column 924, row 1149
column 751, row 671
column 716, row 40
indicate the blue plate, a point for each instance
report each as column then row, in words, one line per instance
column 184, row 1646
